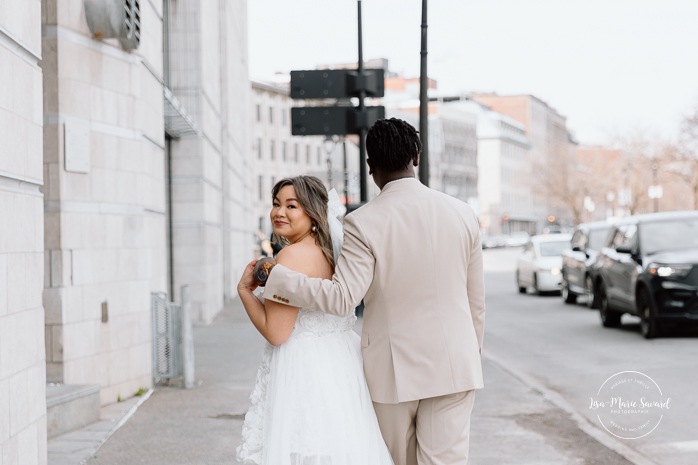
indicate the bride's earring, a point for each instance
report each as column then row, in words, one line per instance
column 314, row 228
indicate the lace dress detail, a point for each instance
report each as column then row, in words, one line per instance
column 250, row 450
column 310, row 404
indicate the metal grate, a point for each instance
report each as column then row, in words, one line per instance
column 132, row 10
column 167, row 339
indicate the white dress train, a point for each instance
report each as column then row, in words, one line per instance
column 310, row 402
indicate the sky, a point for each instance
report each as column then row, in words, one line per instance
column 610, row 66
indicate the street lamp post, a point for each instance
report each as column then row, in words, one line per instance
column 655, row 190
column 330, row 143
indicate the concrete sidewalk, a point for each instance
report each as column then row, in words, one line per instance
column 512, row 422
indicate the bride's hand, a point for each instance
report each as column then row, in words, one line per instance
column 247, row 282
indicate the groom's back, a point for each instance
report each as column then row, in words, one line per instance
column 418, row 316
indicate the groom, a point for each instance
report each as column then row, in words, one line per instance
column 414, row 255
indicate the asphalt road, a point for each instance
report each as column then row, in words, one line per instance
column 564, row 350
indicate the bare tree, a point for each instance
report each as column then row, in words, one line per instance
column 683, row 156
column 557, row 178
column 641, row 152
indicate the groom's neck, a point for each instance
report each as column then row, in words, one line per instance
column 395, row 175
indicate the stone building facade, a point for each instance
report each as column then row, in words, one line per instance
column 124, row 171
column 104, row 199
column 22, row 367
column 212, row 224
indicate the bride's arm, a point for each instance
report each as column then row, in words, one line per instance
column 340, row 295
column 273, row 320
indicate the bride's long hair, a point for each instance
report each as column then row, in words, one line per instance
column 312, row 197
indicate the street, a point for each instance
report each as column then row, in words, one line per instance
column 543, row 361
column 565, row 352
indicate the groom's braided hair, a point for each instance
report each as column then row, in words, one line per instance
column 391, row 144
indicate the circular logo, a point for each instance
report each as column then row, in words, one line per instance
column 629, row 405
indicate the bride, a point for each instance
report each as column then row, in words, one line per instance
column 310, row 402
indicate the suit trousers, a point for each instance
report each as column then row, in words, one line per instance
column 434, row 431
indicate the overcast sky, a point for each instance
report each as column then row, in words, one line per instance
column 609, row 66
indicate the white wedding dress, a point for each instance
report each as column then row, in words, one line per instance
column 310, row 402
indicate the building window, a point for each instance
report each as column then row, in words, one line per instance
column 284, row 117
column 273, row 181
column 295, row 152
column 307, row 154
column 259, row 113
column 283, row 151
column 271, row 115
column 259, row 148
column 272, row 149
column 319, row 156
column 260, row 188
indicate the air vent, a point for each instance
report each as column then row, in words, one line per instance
column 115, row 19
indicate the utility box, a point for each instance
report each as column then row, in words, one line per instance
column 115, row 19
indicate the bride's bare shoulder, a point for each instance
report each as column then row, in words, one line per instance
column 302, row 257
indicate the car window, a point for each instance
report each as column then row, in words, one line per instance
column 553, row 249
column 669, row 235
column 597, row 238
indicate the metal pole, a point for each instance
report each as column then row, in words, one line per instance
column 424, row 103
column 346, row 174
column 187, row 339
column 362, row 134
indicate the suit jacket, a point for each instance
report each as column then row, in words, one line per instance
column 414, row 255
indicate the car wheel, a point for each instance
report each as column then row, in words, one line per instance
column 522, row 289
column 609, row 318
column 567, row 296
column 649, row 326
column 592, row 297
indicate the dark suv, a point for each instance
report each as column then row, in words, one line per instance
column 649, row 268
column 578, row 272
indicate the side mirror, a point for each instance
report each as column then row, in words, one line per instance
column 624, row 249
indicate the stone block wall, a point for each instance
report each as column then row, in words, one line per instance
column 105, row 235
column 22, row 359
column 211, row 186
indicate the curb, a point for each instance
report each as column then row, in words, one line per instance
column 77, row 447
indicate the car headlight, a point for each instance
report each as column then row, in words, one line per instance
column 552, row 271
column 664, row 271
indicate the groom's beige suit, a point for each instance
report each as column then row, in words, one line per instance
column 414, row 256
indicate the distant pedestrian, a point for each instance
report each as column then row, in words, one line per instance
column 310, row 403
column 415, row 256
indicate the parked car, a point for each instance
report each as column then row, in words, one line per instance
column 649, row 268
column 578, row 271
column 517, row 239
column 493, row 241
column 540, row 262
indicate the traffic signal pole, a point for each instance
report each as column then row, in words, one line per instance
column 363, row 175
column 424, row 103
